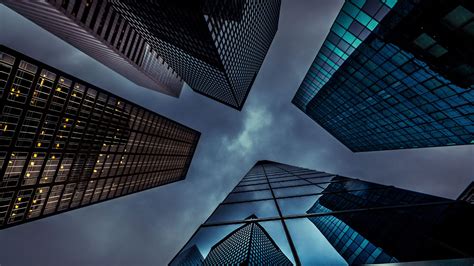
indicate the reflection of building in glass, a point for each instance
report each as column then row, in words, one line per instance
column 350, row 244
column 248, row 245
column 395, row 75
column 67, row 144
column 382, row 236
column 356, row 221
column 216, row 46
column 189, row 257
column 98, row 30
column 468, row 194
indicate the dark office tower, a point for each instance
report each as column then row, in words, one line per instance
column 317, row 218
column 468, row 194
column 216, row 46
column 66, row 144
column 96, row 29
column 395, row 75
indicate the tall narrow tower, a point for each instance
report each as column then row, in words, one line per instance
column 65, row 143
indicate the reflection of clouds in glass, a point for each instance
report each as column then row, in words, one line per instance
column 312, row 247
column 239, row 211
column 295, row 206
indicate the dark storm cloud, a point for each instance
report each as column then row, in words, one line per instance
column 149, row 227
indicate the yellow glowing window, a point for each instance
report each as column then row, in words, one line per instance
column 39, row 144
column 35, row 155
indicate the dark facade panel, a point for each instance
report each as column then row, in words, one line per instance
column 468, row 194
column 318, row 218
column 96, row 29
column 217, row 47
column 66, row 144
column 395, row 75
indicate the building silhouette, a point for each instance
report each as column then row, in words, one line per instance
column 314, row 217
column 95, row 28
column 395, row 75
column 65, row 143
column 216, row 46
column 468, row 194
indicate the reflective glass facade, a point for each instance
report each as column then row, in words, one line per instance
column 216, row 46
column 395, row 75
column 66, row 144
column 95, row 28
column 318, row 218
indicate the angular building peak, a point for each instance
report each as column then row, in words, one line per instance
column 308, row 217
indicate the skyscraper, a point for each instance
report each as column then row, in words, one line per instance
column 395, row 75
column 96, row 29
column 216, row 46
column 250, row 244
column 65, row 143
column 318, row 218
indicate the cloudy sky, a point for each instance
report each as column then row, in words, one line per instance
column 148, row 228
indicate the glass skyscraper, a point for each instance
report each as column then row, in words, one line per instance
column 216, row 46
column 95, row 28
column 316, row 218
column 65, row 143
column 395, row 75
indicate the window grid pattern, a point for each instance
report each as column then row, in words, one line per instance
column 81, row 146
column 354, row 247
column 95, row 28
column 217, row 49
column 355, row 22
column 249, row 244
column 386, row 97
column 343, row 210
